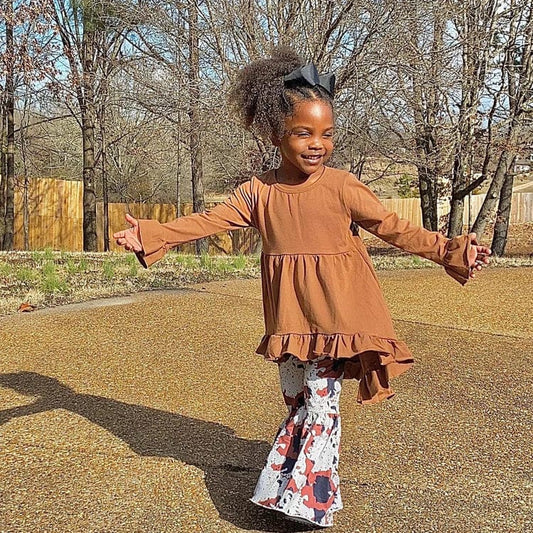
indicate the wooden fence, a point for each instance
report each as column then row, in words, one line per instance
column 55, row 217
column 242, row 241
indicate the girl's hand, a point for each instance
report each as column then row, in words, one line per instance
column 478, row 256
column 130, row 238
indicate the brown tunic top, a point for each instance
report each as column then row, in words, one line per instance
column 321, row 296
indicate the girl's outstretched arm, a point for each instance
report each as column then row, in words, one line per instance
column 461, row 256
column 150, row 239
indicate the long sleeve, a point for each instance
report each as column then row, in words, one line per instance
column 158, row 238
column 366, row 209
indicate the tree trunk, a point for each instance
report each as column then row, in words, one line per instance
column 462, row 147
column 428, row 198
column 9, row 224
column 24, row 141
column 426, row 108
column 455, row 222
column 490, row 204
column 195, row 126
column 178, row 167
column 426, row 148
column 3, row 165
column 2, row 192
column 104, row 180
column 103, row 154
column 90, row 243
column 501, row 226
column 475, row 25
column 26, row 211
column 88, row 117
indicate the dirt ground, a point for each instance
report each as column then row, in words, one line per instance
column 151, row 414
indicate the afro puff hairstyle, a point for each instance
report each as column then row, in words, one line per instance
column 263, row 101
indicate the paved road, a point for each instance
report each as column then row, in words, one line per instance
column 151, row 414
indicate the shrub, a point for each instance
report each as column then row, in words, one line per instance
column 407, row 186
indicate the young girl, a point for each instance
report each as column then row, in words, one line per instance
column 325, row 316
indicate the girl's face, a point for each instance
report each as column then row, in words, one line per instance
column 308, row 140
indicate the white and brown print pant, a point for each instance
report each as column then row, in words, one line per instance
column 301, row 477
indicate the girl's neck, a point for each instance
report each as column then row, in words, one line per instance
column 290, row 177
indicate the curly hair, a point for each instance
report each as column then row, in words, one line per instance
column 262, row 100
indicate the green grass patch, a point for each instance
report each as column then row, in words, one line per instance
column 6, row 269
column 51, row 280
column 206, row 261
column 26, row 274
column 42, row 256
column 238, row 262
column 186, row 260
column 75, row 265
column 47, row 278
column 108, row 269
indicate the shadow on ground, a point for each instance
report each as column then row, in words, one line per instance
column 212, row 447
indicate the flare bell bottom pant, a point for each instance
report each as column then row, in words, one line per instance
column 300, row 477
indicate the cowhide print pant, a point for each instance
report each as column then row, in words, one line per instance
column 301, row 477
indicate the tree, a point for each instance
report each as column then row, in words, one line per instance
column 9, row 113
column 84, row 31
column 517, row 74
column 501, row 224
column 167, row 35
column 475, row 22
column 25, row 57
column 195, row 143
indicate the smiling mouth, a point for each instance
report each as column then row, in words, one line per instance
column 312, row 158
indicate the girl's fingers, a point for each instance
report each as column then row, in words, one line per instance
column 478, row 256
column 131, row 220
column 483, row 254
column 473, row 238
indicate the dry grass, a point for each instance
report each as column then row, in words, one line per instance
column 44, row 279
column 47, row 278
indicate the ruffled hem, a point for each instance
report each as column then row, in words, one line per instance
column 371, row 360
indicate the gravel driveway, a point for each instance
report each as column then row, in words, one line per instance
column 152, row 414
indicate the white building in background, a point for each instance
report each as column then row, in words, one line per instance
column 524, row 162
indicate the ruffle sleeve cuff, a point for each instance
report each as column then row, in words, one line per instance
column 455, row 260
column 154, row 246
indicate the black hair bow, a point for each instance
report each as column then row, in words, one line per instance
column 309, row 74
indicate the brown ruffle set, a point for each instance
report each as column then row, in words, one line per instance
column 321, row 296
